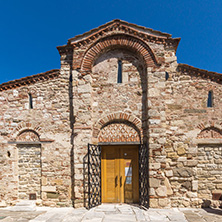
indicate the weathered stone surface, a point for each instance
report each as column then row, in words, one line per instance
column 154, row 182
column 183, row 172
column 154, row 166
column 187, row 185
column 49, row 188
column 168, row 187
column 161, row 191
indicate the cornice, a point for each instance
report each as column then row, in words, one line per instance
column 122, row 27
column 29, row 80
column 200, row 72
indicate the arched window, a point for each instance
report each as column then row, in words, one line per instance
column 210, row 99
column 30, row 101
column 119, row 78
column 166, row 76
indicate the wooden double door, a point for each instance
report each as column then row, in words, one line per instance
column 120, row 174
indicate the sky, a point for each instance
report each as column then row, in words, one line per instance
column 30, row 30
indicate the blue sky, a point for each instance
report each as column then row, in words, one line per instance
column 31, row 30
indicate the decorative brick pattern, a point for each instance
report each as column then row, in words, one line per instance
column 119, row 116
column 118, row 132
column 28, row 136
column 118, row 41
column 210, row 133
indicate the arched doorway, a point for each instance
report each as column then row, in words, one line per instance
column 118, row 166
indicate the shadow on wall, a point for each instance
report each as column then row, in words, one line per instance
column 73, row 135
column 85, row 180
column 215, row 203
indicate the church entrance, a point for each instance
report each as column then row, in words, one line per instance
column 120, row 174
column 118, row 166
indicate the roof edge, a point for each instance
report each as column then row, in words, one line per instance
column 200, row 72
column 141, row 28
column 29, row 79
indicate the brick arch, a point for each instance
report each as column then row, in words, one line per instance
column 119, row 117
column 119, row 131
column 28, row 136
column 210, row 132
column 118, row 41
column 27, row 126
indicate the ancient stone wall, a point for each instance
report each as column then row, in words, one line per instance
column 209, row 174
column 187, row 114
column 165, row 105
column 49, row 121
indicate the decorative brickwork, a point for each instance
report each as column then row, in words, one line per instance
column 119, row 116
column 210, row 132
column 118, row 132
column 28, row 136
column 116, row 42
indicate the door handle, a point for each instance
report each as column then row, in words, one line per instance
column 116, row 181
column 120, row 180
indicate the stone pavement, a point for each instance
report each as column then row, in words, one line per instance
column 111, row 213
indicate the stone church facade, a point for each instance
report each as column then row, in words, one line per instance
column 119, row 85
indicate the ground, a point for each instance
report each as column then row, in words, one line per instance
column 112, row 212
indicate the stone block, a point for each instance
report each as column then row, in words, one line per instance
column 187, row 185
column 174, row 106
column 172, row 155
column 192, row 194
column 194, row 185
column 168, row 187
column 169, row 173
column 153, row 166
column 44, row 181
column 181, row 150
column 164, row 202
column 3, row 203
column 154, row 182
column 161, row 191
column 49, row 188
column 191, row 163
column 152, row 192
column 183, row 172
column 219, row 186
column 182, row 159
column 154, row 203
column 52, row 195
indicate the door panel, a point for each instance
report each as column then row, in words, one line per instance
column 120, row 181
column 110, row 169
column 129, row 170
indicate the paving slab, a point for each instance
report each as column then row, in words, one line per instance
column 111, row 213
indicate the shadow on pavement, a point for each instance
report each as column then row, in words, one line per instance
column 213, row 211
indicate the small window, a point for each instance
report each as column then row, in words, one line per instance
column 210, row 99
column 119, row 78
column 166, row 76
column 30, row 101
